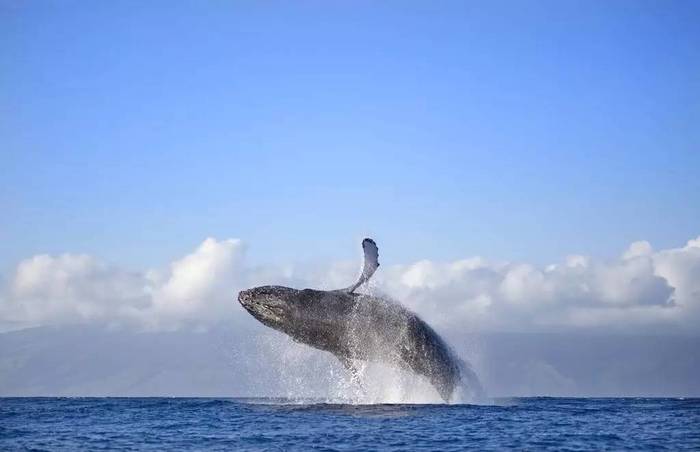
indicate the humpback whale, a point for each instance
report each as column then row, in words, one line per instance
column 361, row 327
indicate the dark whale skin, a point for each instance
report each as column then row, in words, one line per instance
column 358, row 327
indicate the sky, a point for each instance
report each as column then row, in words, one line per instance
column 525, row 167
column 511, row 130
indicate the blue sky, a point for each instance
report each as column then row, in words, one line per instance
column 512, row 130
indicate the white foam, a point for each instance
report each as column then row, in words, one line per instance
column 303, row 373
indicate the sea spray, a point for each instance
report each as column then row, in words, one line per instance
column 306, row 374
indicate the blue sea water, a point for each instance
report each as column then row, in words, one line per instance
column 278, row 424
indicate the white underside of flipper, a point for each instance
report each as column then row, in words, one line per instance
column 370, row 265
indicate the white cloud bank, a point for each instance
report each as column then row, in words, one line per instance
column 642, row 291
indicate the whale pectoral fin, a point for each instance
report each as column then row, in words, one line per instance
column 370, row 265
column 350, row 365
column 347, row 363
column 354, row 371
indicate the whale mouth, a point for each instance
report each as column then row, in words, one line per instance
column 249, row 301
column 245, row 298
column 259, row 307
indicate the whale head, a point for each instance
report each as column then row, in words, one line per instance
column 307, row 315
column 271, row 305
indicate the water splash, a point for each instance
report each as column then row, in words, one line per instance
column 300, row 373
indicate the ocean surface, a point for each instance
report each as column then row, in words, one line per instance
column 279, row 424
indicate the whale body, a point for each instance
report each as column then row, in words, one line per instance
column 354, row 326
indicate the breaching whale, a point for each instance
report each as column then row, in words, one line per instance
column 354, row 326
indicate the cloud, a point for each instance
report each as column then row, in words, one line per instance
column 642, row 291
column 194, row 290
column 201, row 285
column 71, row 288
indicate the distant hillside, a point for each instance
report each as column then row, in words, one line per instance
column 80, row 361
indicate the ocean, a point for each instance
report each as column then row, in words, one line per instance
column 282, row 424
